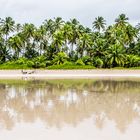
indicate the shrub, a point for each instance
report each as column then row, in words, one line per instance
column 21, row 61
column 98, row 62
column 79, row 62
column 68, row 63
column 70, row 67
column 39, row 62
column 30, row 63
column 132, row 61
column 48, row 63
column 86, row 60
column 12, row 65
column 60, row 58
column 30, row 53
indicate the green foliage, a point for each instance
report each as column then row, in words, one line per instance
column 39, row 62
column 70, row 67
column 68, row 63
column 30, row 64
column 69, row 43
column 4, row 54
column 87, row 60
column 60, row 58
column 20, row 61
column 98, row 62
column 13, row 65
column 99, row 23
column 116, row 56
column 132, row 61
column 31, row 53
column 9, row 67
column 79, row 62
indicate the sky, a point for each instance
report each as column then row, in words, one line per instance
column 36, row 11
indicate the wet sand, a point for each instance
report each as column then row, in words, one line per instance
column 14, row 74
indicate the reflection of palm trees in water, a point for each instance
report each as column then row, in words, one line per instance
column 70, row 102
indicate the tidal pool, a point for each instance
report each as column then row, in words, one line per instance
column 70, row 109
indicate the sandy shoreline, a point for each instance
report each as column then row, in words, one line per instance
column 14, row 74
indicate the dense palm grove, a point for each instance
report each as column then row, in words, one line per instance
column 57, row 42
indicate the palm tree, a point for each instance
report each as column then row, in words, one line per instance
column 74, row 22
column 138, row 27
column 99, row 24
column 115, row 56
column 4, row 54
column 67, row 33
column 75, row 34
column 15, row 43
column 7, row 26
column 131, row 34
column 58, row 23
column 49, row 27
column 28, row 32
column 121, row 20
column 99, row 47
column 136, row 49
column 121, row 32
column 18, row 27
column 58, row 42
column 39, row 39
column 84, row 44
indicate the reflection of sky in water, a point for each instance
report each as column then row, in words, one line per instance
column 63, row 106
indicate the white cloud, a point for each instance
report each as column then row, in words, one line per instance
column 84, row 10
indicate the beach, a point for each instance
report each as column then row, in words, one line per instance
column 46, row 74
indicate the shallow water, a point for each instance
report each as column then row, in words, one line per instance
column 70, row 110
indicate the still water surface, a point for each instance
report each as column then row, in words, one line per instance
column 70, row 110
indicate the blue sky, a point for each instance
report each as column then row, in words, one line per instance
column 36, row 11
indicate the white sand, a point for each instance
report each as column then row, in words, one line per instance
column 69, row 73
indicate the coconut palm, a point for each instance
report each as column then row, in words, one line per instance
column 84, row 44
column 75, row 34
column 18, row 27
column 136, row 49
column 116, row 56
column 4, row 54
column 49, row 27
column 7, row 26
column 67, row 33
column 121, row 20
column 15, row 44
column 28, row 30
column 40, row 39
column 58, row 42
column 58, row 23
column 99, row 47
column 131, row 34
column 99, row 24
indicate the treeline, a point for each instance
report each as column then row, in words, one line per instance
column 57, row 42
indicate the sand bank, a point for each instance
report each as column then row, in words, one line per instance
column 68, row 73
